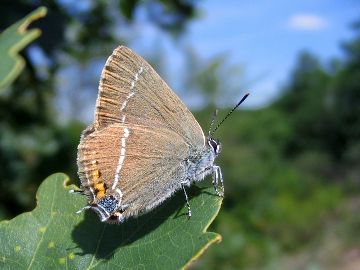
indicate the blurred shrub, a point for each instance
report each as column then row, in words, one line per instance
column 292, row 169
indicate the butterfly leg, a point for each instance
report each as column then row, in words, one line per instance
column 217, row 175
column 124, row 207
column 221, row 180
column 186, row 198
column 215, row 178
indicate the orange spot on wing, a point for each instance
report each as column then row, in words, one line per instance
column 99, row 190
column 96, row 175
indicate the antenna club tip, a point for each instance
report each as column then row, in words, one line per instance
column 211, row 132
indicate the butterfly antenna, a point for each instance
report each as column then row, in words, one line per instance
column 213, row 120
column 229, row 113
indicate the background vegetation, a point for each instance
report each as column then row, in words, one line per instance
column 292, row 168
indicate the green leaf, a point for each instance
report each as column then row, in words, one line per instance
column 14, row 39
column 52, row 236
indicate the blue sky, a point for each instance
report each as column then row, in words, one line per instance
column 264, row 37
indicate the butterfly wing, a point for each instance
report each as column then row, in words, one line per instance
column 148, row 162
column 131, row 91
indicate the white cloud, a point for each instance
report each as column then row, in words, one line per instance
column 307, row 22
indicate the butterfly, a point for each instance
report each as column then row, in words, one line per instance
column 144, row 144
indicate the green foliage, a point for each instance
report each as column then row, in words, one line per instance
column 52, row 236
column 34, row 140
column 22, row 130
column 291, row 170
column 32, row 144
column 305, row 99
column 206, row 77
column 324, row 106
column 13, row 40
column 128, row 8
column 273, row 204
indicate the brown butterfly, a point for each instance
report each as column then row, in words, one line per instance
column 144, row 144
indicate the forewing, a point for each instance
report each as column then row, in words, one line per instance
column 131, row 91
column 152, row 167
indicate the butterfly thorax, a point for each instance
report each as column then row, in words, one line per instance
column 200, row 162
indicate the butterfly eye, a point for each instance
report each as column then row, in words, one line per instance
column 215, row 145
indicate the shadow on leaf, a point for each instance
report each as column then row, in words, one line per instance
column 102, row 240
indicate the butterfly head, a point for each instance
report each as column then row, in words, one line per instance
column 215, row 145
